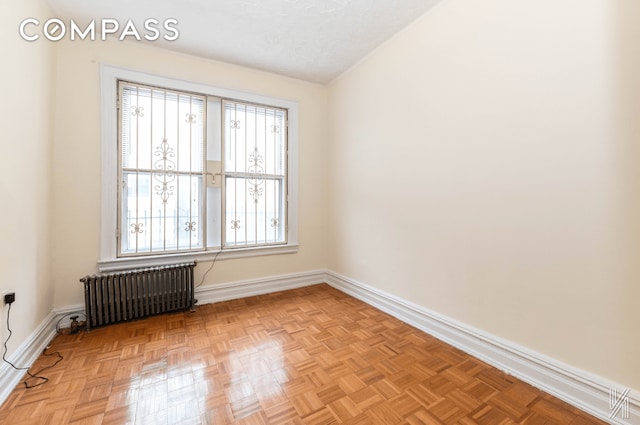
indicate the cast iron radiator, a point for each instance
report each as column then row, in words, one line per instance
column 134, row 294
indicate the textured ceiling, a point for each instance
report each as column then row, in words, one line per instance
column 314, row 40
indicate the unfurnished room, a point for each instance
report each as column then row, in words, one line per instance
column 320, row 212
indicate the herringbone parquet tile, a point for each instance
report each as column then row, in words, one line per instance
column 308, row 356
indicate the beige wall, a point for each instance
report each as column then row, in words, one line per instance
column 627, row 66
column 76, row 158
column 25, row 172
column 478, row 168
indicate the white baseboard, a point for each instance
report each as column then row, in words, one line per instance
column 29, row 351
column 581, row 389
column 25, row 355
column 249, row 288
column 586, row 391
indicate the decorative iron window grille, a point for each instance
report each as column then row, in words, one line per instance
column 162, row 150
column 166, row 199
column 255, row 174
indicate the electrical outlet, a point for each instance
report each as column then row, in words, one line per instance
column 9, row 297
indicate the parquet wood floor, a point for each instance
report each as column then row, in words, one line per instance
column 307, row 356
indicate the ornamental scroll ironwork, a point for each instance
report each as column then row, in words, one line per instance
column 136, row 111
column 255, row 169
column 165, row 171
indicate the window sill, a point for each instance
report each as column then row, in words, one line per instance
column 203, row 256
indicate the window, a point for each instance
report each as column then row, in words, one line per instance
column 254, row 174
column 161, row 148
column 192, row 171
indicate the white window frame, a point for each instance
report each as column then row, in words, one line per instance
column 109, row 260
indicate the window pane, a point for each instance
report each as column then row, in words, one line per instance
column 254, row 132
column 254, row 221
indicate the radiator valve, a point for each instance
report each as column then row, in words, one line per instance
column 74, row 325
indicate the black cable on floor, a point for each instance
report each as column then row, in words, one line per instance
column 35, row 375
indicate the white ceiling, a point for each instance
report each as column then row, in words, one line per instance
column 314, row 40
